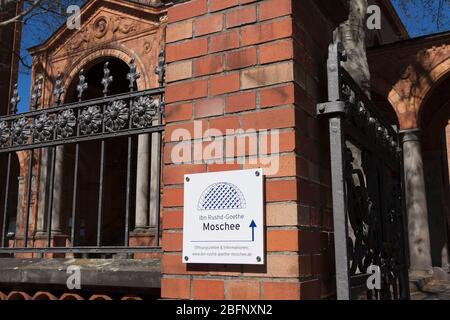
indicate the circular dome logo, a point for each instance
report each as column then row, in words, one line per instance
column 222, row 196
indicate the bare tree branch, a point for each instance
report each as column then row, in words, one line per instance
column 22, row 14
column 435, row 12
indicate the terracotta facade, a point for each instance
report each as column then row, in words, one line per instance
column 114, row 29
column 239, row 64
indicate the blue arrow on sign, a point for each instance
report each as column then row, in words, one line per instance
column 253, row 226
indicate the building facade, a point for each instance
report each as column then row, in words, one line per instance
column 10, row 36
column 88, row 187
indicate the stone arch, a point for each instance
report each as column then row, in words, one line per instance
column 410, row 93
column 431, row 103
column 115, row 51
column 441, row 74
column 436, row 75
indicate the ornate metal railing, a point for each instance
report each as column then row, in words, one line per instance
column 368, row 210
column 113, row 116
column 48, row 128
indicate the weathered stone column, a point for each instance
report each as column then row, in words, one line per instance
column 154, row 192
column 416, row 204
column 437, row 211
column 20, row 203
column 43, row 193
column 58, row 190
column 142, row 184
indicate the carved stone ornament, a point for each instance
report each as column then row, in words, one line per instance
column 123, row 25
column 100, row 27
column 80, row 39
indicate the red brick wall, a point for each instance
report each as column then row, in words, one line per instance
column 313, row 34
column 231, row 65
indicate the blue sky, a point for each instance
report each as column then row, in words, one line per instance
column 417, row 17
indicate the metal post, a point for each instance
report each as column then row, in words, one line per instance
column 5, row 209
column 340, row 218
column 334, row 109
column 158, row 182
column 158, row 188
column 100, row 194
column 127, row 210
column 353, row 118
column 132, row 76
column 75, row 193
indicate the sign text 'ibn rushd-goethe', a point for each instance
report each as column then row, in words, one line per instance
column 223, row 217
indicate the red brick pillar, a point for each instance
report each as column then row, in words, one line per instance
column 231, row 66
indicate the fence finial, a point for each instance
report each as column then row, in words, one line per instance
column 107, row 79
column 133, row 75
column 59, row 89
column 15, row 99
column 37, row 92
column 82, row 85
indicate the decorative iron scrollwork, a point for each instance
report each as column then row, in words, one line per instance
column 144, row 111
column 5, row 133
column 119, row 115
column 361, row 215
column 20, row 131
column 66, row 123
column 358, row 114
column 116, row 116
column 42, row 128
column 91, row 120
column 369, row 218
column 37, row 92
column 15, row 99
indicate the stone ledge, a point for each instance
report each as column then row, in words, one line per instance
column 123, row 273
column 433, row 290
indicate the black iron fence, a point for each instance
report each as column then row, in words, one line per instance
column 368, row 210
column 98, row 143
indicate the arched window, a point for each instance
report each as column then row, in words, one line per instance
column 89, row 166
column 115, row 169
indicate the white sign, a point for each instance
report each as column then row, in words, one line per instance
column 223, row 218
